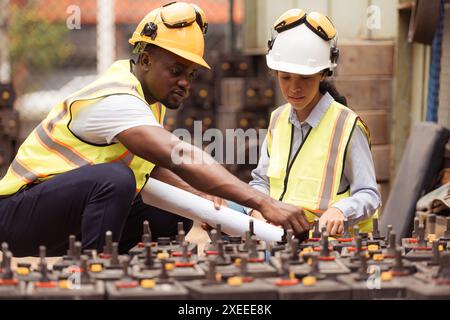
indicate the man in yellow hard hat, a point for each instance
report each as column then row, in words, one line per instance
column 82, row 168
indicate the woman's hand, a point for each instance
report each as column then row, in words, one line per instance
column 257, row 215
column 218, row 202
column 333, row 220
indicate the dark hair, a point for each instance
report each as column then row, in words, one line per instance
column 326, row 86
column 141, row 47
column 150, row 47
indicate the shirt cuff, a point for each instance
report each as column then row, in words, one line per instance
column 262, row 187
column 347, row 208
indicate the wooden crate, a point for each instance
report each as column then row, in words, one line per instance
column 377, row 121
column 365, row 93
column 445, row 176
column 381, row 157
column 440, row 225
column 230, row 65
column 247, row 93
column 366, row 58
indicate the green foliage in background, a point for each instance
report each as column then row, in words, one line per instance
column 38, row 43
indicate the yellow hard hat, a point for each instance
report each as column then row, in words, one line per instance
column 177, row 27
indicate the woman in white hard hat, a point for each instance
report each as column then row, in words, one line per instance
column 317, row 151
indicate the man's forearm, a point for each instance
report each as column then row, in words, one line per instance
column 167, row 176
column 191, row 164
column 210, row 177
column 200, row 171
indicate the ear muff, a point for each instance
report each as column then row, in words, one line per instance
column 334, row 56
column 270, row 44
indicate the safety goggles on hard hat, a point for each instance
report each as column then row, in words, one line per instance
column 318, row 23
column 178, row 15
column 200, row 18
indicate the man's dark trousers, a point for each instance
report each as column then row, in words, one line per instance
column 85, row 202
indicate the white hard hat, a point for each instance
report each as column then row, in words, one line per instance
column 301, row 51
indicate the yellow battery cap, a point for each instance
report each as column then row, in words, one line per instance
column 170, row 266
column 386, row 276
column 162, row 255
column 309, row 281
column 378, row 257
column 64, row 284
column 96, row 267
column 234, row 281
column 23, row 271
column 148, row 283
column 305, row 251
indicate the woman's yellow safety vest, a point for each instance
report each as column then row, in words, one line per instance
column 52, row 148
column 312, row 179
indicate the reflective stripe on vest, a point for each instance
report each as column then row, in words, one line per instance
column 53, row 149
column 24, row 173
column 336, row 143
column 311, row 180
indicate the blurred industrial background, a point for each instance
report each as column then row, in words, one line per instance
column 394, row 66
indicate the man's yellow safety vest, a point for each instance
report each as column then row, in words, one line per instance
column 312, row 179
column 52, row 148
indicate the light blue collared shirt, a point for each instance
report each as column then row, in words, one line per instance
column 359, row 172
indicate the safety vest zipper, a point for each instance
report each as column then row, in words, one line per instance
column 289, row 165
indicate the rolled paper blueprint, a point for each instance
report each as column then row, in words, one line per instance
column 191, row 206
